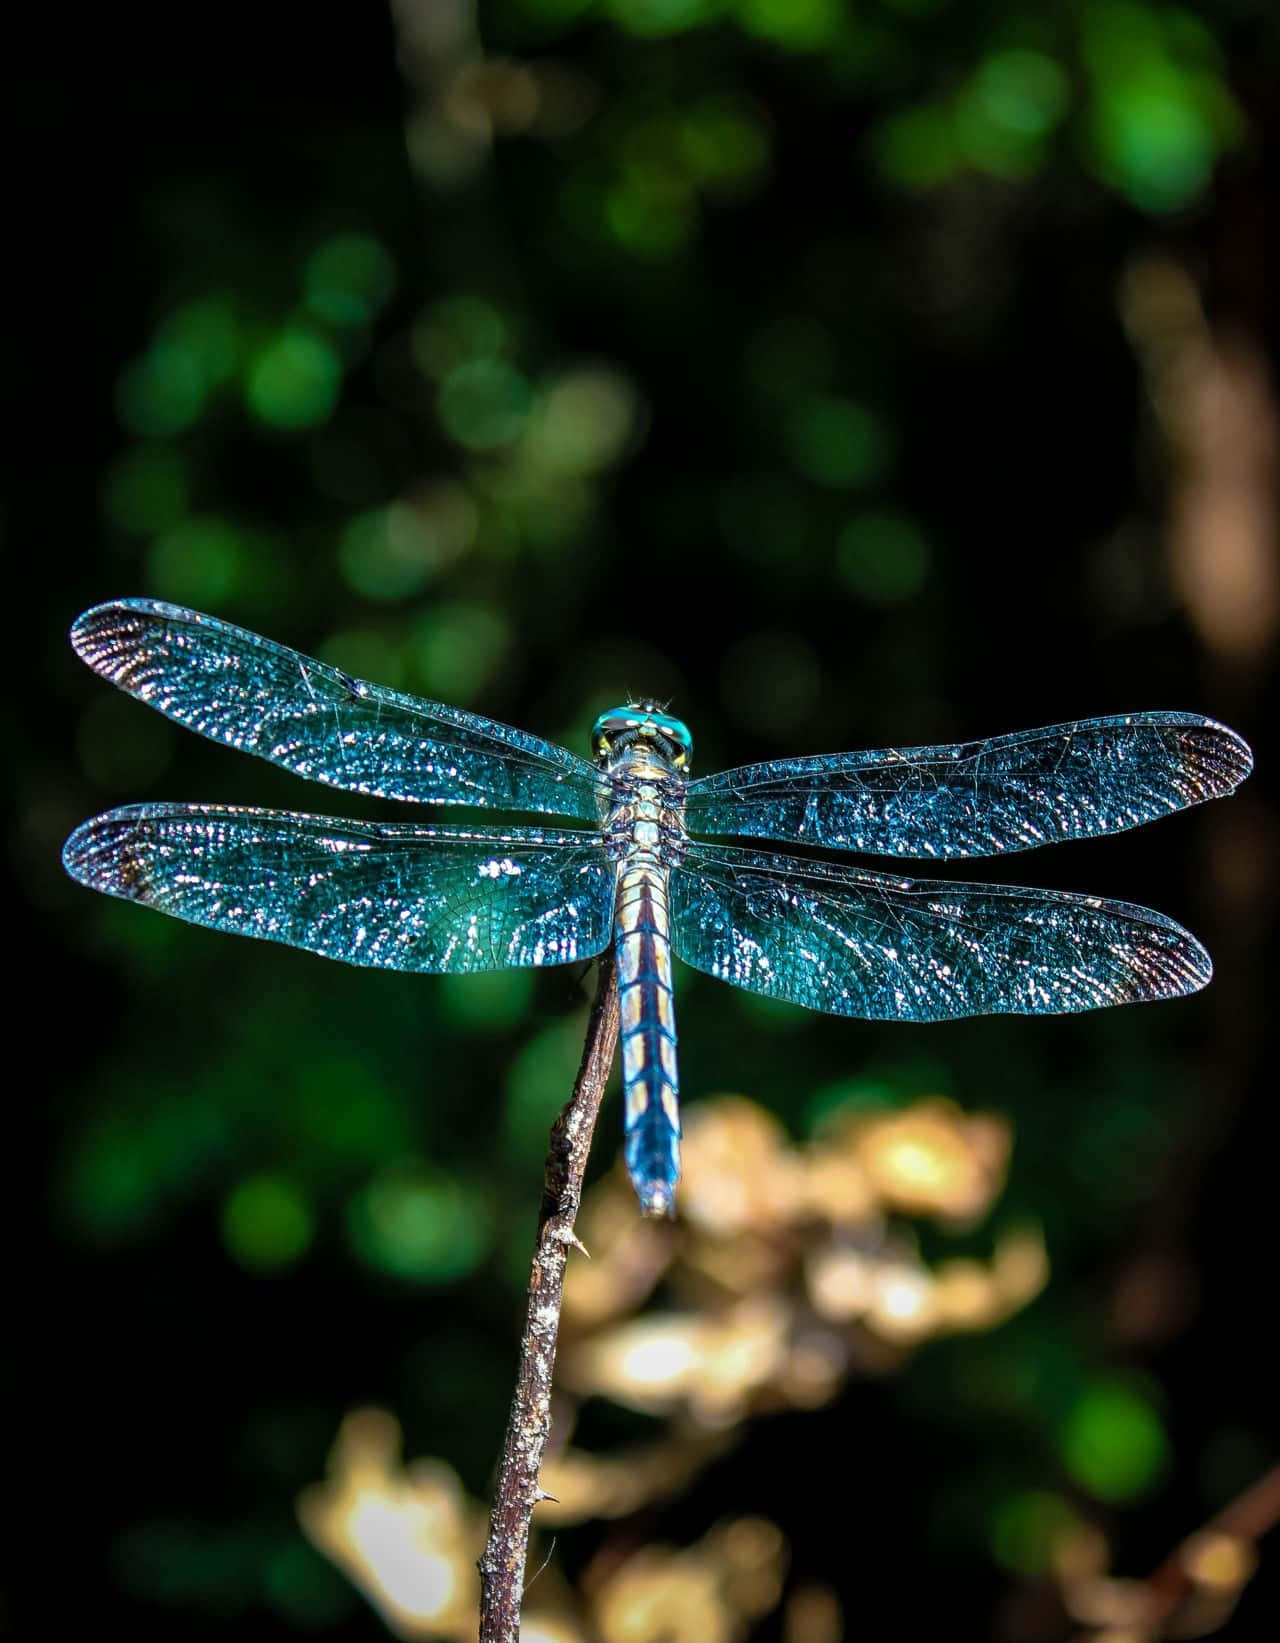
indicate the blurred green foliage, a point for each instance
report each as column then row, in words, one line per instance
column 267, row 1223
column 1113, row 1444
column 419, row 1223
column 765, row 356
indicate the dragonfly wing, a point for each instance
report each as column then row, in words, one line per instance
column 1034, row 787
column 236, row 687
column 884, row 948
column 391, row 896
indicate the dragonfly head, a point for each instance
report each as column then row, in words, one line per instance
column 642, row 724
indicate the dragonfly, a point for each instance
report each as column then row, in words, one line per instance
column 634, row 856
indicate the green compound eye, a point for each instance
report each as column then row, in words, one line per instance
column 637, row 723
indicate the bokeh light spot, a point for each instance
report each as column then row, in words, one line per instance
column 1157, row 145
column 202, row 562
column 883, row 558
column 1161, row 111
column 390, row 552
column 724, row 145
column 352, row 1119
column 1113, row 1443
column 916, row 148
column 652, row 211
column 458, row 648
column 1026, row 1528
column 145, row 488
column 418, row 1223
column 161, row 393
column 582, row 422
column 365, row 653
column 112, row 1188
column 1024, row 92
column 267, row 1223
column 484, row 403
column 457, row 329
column 208, row 332
column 837, row 442
column 293, row 383
column 349, row 279
column 990, row 144
column 796, row 25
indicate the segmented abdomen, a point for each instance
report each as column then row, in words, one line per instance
column 650, row 1083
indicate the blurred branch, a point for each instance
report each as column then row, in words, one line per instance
column 503, row 1563
column 1220, row 1554
column 1193, row 1593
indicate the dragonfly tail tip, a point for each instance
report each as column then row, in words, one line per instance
column 657, row 1201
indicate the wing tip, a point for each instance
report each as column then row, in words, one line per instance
column 92, row 631
column 75, row 853
column 1199, row 965
column 1181, row 963
column 1240, row 753
column 86, row 627
column 95, row 633
column 1225, row 758
column 82, row 854
column 98, row 854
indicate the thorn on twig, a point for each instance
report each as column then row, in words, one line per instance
column 563, row 1233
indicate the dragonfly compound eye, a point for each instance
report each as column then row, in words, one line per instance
column 640, row 724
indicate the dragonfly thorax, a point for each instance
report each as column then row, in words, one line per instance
column 645, row 754
column 642, row 725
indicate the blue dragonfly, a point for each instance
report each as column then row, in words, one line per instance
column 635, row 867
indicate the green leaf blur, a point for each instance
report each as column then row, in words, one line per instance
column 849, row 375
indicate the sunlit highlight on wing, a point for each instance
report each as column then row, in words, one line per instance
column 884, row 948
column 1072, row 781
column 391, row 896
column 251, row 693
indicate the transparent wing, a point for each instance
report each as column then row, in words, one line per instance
column 236, row 687
column 392, row 896
column 884, row 948
column 1070, row 781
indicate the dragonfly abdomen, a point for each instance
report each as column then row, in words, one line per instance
column 650, row 1082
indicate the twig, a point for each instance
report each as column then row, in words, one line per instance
column 1248, row 1517
column 1195, row 1590
column 517, row 1493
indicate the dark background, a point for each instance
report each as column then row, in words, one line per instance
column 937, row 340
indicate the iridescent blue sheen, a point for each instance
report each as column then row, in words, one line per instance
column 235, row 687
column 1072, row 781
column 390, row 895
column 450, row 900
column 896, row 949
